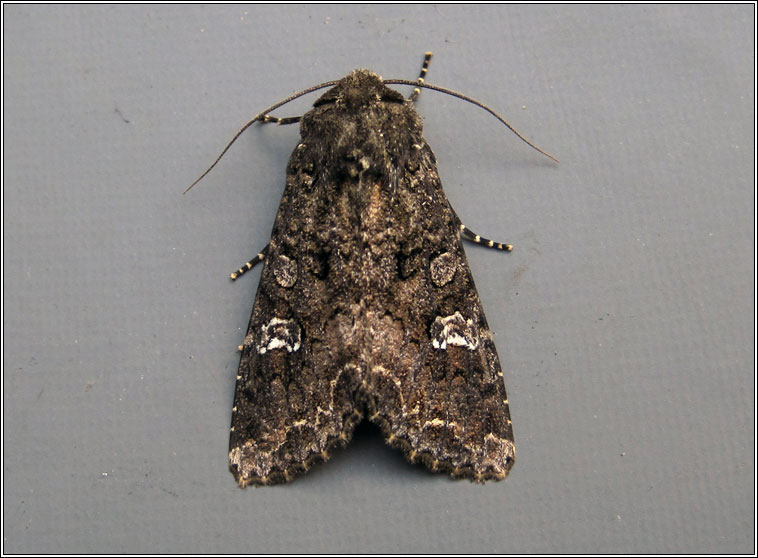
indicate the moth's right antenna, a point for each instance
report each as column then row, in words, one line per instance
column 420, row 83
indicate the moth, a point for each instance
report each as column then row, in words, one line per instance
column 366, row 307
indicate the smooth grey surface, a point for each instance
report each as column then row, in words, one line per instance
column 624, row 317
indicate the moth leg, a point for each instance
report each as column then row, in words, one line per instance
column 468, row 234
column 472, row 236
column 281, row 121
column 249, row 265
column 425, row 66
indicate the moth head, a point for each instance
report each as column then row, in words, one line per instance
column 360, row 88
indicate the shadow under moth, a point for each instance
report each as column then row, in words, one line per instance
column 366, row 307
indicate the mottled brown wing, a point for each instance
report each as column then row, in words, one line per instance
column 434, row 384
column 295, row 395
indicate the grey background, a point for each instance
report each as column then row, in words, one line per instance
column 624, row 317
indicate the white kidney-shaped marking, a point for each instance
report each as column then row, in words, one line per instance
column 279, row 334
column 455, row 331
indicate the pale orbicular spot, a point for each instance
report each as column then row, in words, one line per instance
column 285, row 271
column 279, row 334
column 455, row 331
column 442, row 268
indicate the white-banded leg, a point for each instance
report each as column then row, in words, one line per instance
column 472, row 236
column 250, row 265
column 281, row 121
column 421, row 77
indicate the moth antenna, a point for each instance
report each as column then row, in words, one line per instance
column 420, row 83
column 260, row 117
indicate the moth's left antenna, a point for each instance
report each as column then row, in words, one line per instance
column 260, row 117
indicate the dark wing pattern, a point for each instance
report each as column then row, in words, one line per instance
column 437, row 390
column 367, row 307
column 295, row 398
